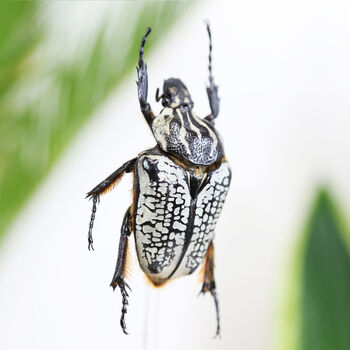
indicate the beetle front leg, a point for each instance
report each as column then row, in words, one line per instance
column 209, row 283
column 142, row 82
column 212, row 92
column 120, row 269
column 104, row 187
column 212, row 89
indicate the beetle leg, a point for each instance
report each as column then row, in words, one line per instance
column 209, row 283
column 104, row 187
column 120, row 269
column 142, row 83
column 212, row 89
column 212, row 92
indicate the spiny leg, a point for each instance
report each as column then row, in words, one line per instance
column 212, row 89
column 209, row 283
column 120, row 269
column 102, row 188
column 142, row 82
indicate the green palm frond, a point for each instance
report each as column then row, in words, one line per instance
column 45, row 99
column 325, row 304
column 318, row 314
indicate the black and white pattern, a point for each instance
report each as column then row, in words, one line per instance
column 180, row 132
column 162, row 214
column 209, row 203
column 172, row 229
column 179, row 189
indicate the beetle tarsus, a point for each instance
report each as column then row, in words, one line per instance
column 209, row 284
column 216, row 301
column 92, row 219
column 210, row 287
column 122, row 286
column 142, row 46
column 118, row 278
column 120, row 282
column 210, row 53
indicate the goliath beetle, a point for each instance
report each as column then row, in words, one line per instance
column 179, row 189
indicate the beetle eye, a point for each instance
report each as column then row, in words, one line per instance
column 165, row 101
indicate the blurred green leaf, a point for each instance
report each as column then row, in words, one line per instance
column 325, row 298
column 18, row 35
column 45, row 99
column 316, row 303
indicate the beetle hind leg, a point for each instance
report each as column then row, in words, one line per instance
column 209, row 283
column 121, row 267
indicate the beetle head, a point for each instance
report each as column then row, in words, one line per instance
column 174, row 94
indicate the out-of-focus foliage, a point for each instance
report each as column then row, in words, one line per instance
column 317, row 316
column 18, row 36
column 325, row 303
column 45, row 97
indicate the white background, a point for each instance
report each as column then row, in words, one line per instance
column 283, row 75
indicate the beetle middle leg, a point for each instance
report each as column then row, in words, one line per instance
column 209, row 283
column 103, row 187
column 120, row 269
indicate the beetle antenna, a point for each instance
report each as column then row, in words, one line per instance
column 210, row 51
column 143, row 42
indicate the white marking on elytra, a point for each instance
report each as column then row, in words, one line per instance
column 155, row 227
column 206, row 216
column 162, row 217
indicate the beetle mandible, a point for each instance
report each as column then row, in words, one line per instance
column 179, row 189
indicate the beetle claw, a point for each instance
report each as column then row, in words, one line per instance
column 205, row 288
column 123, row 325
column 217, row 334
column 90, row 243
column 126, row 285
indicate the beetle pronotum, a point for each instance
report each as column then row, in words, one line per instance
column 180, row 186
